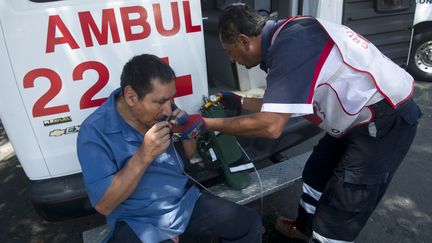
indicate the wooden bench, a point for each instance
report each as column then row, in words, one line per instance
column 273, row 178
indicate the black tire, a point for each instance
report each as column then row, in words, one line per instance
column 420, row 60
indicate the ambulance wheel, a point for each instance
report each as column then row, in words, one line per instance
column 420, row 62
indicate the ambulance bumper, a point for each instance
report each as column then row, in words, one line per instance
column 60, row 198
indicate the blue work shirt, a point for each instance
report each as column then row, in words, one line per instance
column 290, row 62
column 161, row 205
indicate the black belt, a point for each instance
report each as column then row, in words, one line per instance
column 383, row 107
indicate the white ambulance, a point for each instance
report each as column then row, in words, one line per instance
column 60, row 59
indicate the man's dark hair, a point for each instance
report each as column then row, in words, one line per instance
column 239, row 19
column 141, row 71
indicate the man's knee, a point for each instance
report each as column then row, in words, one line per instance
column 256, row 222
column 254, row 227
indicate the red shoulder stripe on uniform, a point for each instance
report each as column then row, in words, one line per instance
column 320, row 63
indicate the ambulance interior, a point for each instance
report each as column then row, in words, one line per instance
column 227, row 75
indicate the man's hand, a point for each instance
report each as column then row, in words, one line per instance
column 193, row 127
column 185, row 126
column 231, row 101
column 157, row 139
column 179, row 116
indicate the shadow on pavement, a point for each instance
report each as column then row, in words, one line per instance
column 20, row 222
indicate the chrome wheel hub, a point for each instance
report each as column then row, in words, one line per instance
column 423, row 57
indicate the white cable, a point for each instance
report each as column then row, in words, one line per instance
column 201, row 185
column 258, row 176
column 262, row 191
column 190, row 177
column 205, row 188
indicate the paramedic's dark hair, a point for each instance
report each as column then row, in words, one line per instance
column 141, row 71
column 239, row 19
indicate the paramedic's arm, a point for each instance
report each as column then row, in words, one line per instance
column 155, row 141
column 261, row 124
column 252, row 104
column 189, row 147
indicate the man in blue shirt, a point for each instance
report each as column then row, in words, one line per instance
column 134, row 173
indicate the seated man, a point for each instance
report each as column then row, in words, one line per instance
column 134, row 174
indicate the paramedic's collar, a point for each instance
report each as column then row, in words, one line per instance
column 114, row 123
column 265, row 42
column 266, row 36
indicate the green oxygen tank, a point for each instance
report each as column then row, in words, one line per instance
column 225, row 147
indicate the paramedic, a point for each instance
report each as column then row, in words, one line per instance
column 339, row 81
column 135, row 175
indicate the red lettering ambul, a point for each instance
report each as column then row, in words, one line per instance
column 109, row 25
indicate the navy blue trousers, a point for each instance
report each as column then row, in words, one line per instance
column 345, row 178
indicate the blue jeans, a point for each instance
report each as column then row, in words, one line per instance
column 212, row 216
